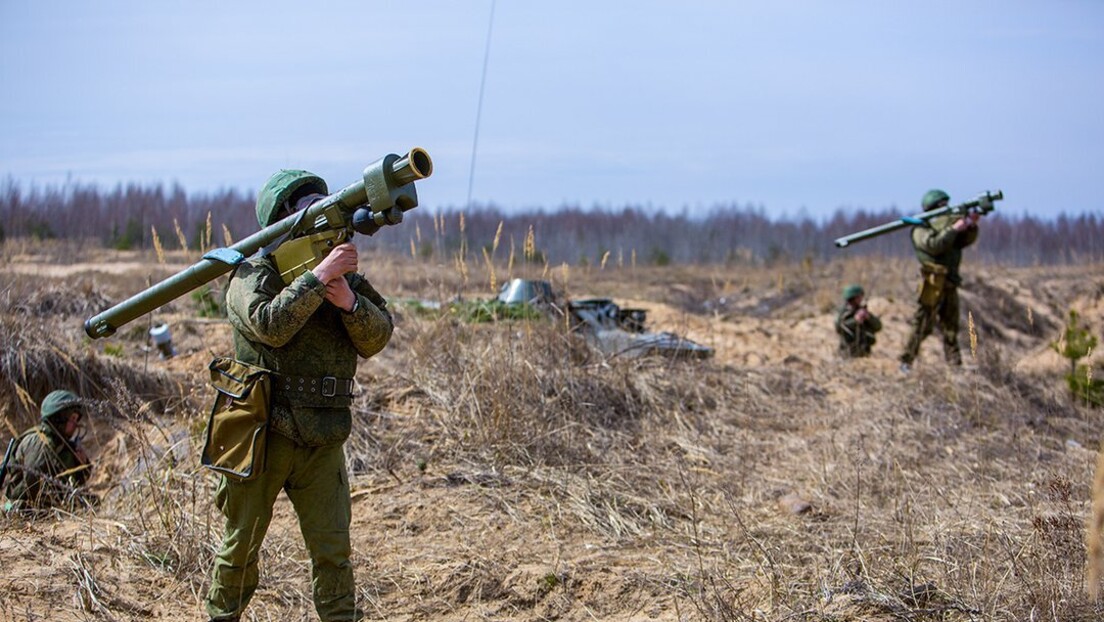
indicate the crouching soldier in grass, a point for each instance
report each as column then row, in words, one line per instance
column 45, row 467
column 855, row 324
column 308, row 332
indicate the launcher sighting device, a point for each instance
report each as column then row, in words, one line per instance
column 299, row 241
column 983, row 204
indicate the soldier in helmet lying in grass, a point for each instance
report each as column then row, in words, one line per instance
column 45, row 466
column 855, row 324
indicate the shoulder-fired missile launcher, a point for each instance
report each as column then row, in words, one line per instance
column 983, row 204
column 297, row 242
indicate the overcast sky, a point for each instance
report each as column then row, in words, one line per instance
column 795, row 106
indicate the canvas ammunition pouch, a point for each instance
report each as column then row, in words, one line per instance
column 934, row 278
column 235, row 444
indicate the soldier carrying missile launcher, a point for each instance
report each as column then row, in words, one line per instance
column 938, row 243
column 308, row 333
column 301, row 314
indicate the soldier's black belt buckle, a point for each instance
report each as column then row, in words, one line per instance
column 329, row 386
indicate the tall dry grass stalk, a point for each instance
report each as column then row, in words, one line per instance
column 497, row 237
column 462, row 253
column 208, row 232
column 491, row 281
column 157, row 245
column 510, row 261
column 463, row 234
column 972, row 329
column 1094, row 541
column 227, row 239
column 529, row 250
column 605, row 258
column 180, row 237
column 488, row 257
column 462, row 268
column 973, row 334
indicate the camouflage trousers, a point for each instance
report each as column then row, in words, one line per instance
column 316, row 482
column 944, row 314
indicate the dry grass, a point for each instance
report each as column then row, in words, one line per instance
column 508, row 471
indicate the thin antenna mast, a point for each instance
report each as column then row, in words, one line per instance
column 479, row 106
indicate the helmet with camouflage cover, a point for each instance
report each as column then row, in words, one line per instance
column 932, row 198
column 851, row 291
column 58, row 402
column 283, row 186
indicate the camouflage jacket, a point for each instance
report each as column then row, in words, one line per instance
column 856, row 339
column 44, row 471
column 938, row 242
column 293, row 331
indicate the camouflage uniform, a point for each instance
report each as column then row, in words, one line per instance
column 856, row 339
column 938, row 244
column 297, row 334
column 44, row 470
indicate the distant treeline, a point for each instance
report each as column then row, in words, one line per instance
column 126, row 216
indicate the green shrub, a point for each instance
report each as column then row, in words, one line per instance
column 40, row 229
column 1085, row 387
column 659, row 257
column 131, row 236
column 477, row 311
column 1075, row 344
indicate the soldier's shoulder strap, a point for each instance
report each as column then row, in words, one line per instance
column 12, row 444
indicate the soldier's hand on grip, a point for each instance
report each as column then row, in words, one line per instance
column 341, row 260
column 967, row 221
column 340, row 294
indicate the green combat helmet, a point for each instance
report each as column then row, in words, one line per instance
column 58, row 402
column 932, row 198
column 851, row 291
column 282, row 186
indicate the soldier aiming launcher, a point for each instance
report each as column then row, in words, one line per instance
column 983, row 204
column 299, row 241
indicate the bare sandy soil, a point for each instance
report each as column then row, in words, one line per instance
column 774, row 481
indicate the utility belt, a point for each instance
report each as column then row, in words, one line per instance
column 238, row 425
column 323, row 386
